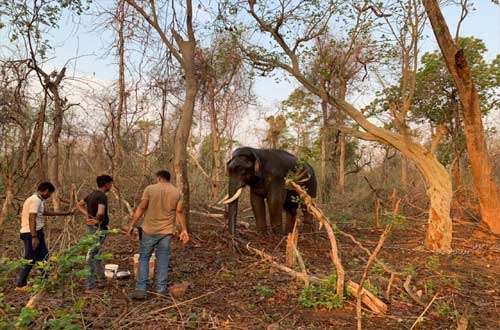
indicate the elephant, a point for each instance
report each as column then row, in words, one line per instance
column 264, row 170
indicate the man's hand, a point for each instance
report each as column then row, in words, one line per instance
column 35, row 242
column 92, row 222
column 129, row 232
column 184, row 236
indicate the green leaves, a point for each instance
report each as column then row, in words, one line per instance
column 32, row 20
column 321, row 295
column 25, row 318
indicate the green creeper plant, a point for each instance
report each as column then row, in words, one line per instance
column 321, row 295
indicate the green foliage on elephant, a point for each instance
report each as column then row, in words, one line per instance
column 321, row 295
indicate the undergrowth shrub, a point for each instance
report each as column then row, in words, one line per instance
column 63, row 268
column 321, row 295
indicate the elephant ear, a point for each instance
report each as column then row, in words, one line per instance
column 257, row 167
column 257, row 164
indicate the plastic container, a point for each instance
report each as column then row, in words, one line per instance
column 110, row 270
column 123, row 274
column 152, row 261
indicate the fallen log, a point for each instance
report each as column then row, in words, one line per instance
column 369, row 299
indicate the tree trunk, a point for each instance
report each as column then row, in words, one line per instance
column 439, row 232
column 324, row 152
column 340, row 148
column 147, row 136
column 117, row 118
column 218, row 170
column 342, row 156
column 9, row 198
column 455, row 128
column 489, row 196
column 182, row 133
column 184, row 53
column 54, row 154
column 38, row 142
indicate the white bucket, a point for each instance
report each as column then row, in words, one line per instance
column 110, row 270
column 151, row 265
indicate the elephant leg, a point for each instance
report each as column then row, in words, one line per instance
column 275, row 207
column 259, row 212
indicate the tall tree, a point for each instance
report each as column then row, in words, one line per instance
column 276, row 132
column 460, row 70
column 30, row 21
column 437, row 102
column 222, row 83
column 299, row 109
column 16, row 127
column 122, row 95
column 52, row 85
column 411, row 17
column 183, row 49
column 338, row 65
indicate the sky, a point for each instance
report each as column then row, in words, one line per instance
column 90, row 43
column 83, row 47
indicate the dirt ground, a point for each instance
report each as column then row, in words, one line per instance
column 230, row 288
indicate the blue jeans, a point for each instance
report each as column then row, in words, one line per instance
column 40, row 254
column 148, row 244
column 93, row 257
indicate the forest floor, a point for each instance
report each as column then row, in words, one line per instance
column 230, row 288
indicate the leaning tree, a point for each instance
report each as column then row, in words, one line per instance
column 290, row 29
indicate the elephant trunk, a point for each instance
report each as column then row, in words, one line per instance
column 235, row 187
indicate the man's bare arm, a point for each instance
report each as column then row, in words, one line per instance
column 101, row 208
column 81, row 207
column 139, row 211
column 34, row 237
column 181, row 219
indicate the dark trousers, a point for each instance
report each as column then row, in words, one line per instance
column 40, row 254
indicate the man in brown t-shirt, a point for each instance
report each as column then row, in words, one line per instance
column 162, row 204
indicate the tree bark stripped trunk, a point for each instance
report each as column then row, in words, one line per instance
column 439, row 232
column 489, row 195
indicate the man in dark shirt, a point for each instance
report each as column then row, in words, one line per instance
column 95, row 208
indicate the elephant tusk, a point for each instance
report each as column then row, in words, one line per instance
column 234, row 197
column 223, row 199
column 303, row 180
